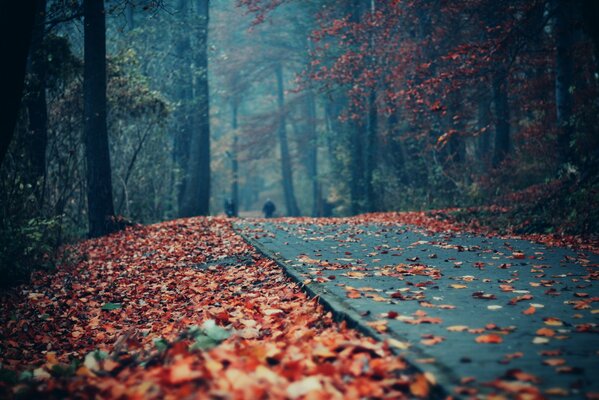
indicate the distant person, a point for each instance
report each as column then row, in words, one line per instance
column 327, row 208
column 269, row 208
column 230, row 208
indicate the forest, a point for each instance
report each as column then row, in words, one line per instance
column 299, row 199
column 153, row 110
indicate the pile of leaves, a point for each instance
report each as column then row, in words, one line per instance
column 184, row 308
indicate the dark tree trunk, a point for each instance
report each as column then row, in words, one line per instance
column 590, row 16
column 16, row 23
column 287, row 175
column 564, row 31
column 182, row 141
column 99, row 180
column 456, row 146
column 502, row 118
column 37, row 137
column 396, row 152
column 372, row 133
column 484, row 139
column 130, row 16
column 313, row 153
column 196, row 200
column 235, row 157
column 356, row 186
column 371, row 151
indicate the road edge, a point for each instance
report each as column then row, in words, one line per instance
column 331, row 302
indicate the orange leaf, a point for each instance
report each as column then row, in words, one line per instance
column 554, row 362
column 529, row 311
column 420, row 386
column 546, row 332
column 491, row 338
column 181, row 372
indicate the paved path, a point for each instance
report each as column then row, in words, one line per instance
column 439, row 294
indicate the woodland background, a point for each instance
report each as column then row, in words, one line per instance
column 485, row 109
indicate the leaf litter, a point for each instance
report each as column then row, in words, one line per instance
column 132, row 316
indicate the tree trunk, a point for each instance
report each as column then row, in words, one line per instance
column 235, row 157
column 564, row 31
column 197, row 190
column 502, row 118
column 182, row 141
column 590, row 16
column 16, row 23
column 36, row 103
column 313, row 152
column 287, row 175
column 484, row 139
column 130, row 16
column 396, row 151
column 372, row 133
column 99, row 180
column 356, row 186
column 371, row 152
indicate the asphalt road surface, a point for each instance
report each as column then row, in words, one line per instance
column 479, row 313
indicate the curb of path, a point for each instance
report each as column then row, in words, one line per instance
column 342, row 312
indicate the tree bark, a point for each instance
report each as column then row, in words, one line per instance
column 371, row 151
column 197, row 189
column 372, row 132
column 16, row 23
column 235, row 157
column 396, row 150
column 130, row 16
column 313, row 152
column 484, row 139
column 590, row 16
column 287, row 175
column 356, row 186
column 502, row 118
column 36, row 103
column 564, row 31
column 99, row 180
column 182, row 141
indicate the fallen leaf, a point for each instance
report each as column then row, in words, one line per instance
column 181, row 372
column 303, row 387
column 540, row 340
column 458, row 286
column 420, row 386
column 457, row 328
column 529, row 311
column 490, row 338
column 546, row 332
column 554, row 362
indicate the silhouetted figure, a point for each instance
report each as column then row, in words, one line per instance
column 230, row 208
column 269, row 208
column 327, row 208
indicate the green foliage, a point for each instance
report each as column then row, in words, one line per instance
column 111, row 306
column 207, row 336
column 27, row 237
column 8, row 376
column 25, row 246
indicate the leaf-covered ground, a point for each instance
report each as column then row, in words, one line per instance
column 184, row 309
